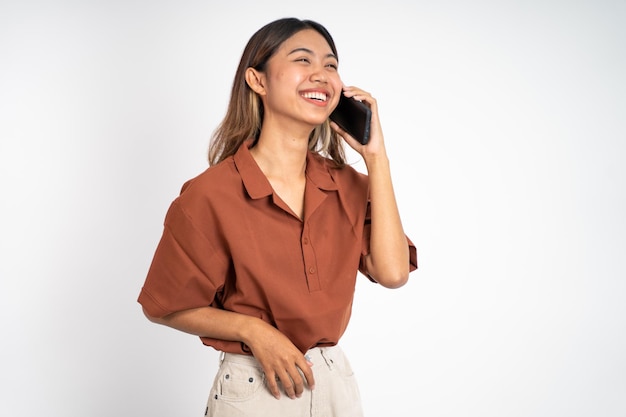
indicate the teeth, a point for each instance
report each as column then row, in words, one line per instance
column 315, row 96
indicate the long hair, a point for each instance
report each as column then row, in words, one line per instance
column 244, row 115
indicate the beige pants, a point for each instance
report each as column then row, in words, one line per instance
column 239, row 389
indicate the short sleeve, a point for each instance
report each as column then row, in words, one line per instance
column 187, row 270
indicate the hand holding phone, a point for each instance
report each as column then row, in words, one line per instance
column 354, row 117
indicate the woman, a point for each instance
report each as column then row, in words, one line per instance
column 260, row 253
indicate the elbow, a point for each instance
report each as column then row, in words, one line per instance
column 153, row 319
column 392, row 279
column 394, row 282
column 390, row 274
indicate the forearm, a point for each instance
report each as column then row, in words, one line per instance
column 388, row 262
column 212, row 322
column 280, row 359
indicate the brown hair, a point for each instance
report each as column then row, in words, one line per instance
column 244, row 116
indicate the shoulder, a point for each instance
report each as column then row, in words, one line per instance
column 214, row 179
column 347, row 177
column 349, row 173
column 213, row 188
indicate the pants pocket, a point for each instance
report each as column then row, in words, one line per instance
column 238, row 381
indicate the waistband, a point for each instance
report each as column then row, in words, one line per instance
column 326, row 354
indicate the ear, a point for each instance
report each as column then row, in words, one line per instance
column 255, row 80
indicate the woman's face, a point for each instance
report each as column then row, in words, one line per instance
column 301, row 80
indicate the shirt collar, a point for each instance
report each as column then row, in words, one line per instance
column 257, row 184
column 317, row 170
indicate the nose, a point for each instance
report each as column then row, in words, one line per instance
column 319, row 75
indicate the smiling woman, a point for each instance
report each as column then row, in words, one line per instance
column 260, row 252
column 279, row 40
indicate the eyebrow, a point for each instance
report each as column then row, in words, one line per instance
column 307, row 50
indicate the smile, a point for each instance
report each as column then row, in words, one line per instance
column 315, row 95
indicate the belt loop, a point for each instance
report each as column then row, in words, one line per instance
column 327, row 358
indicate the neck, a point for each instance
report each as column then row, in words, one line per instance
column 280, row 155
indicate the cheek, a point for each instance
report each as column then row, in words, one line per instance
column 286, row 79
column 336, row 83
column 275, row 78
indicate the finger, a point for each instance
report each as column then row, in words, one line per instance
column 366, row 98
column 360, row 95
column 351, row 91
column 272, row 385
column 298, row 383
column 308, row 374
column 287, row 384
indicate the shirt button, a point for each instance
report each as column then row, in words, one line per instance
column 305, row 240
column 312, row 270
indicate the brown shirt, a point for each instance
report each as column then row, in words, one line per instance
column 230, row 242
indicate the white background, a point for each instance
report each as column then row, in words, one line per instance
column 505, row 122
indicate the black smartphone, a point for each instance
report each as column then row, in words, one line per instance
column 354, row 117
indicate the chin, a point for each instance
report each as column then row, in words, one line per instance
column 314, row 122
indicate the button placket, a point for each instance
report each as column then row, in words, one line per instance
column 310, row 261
